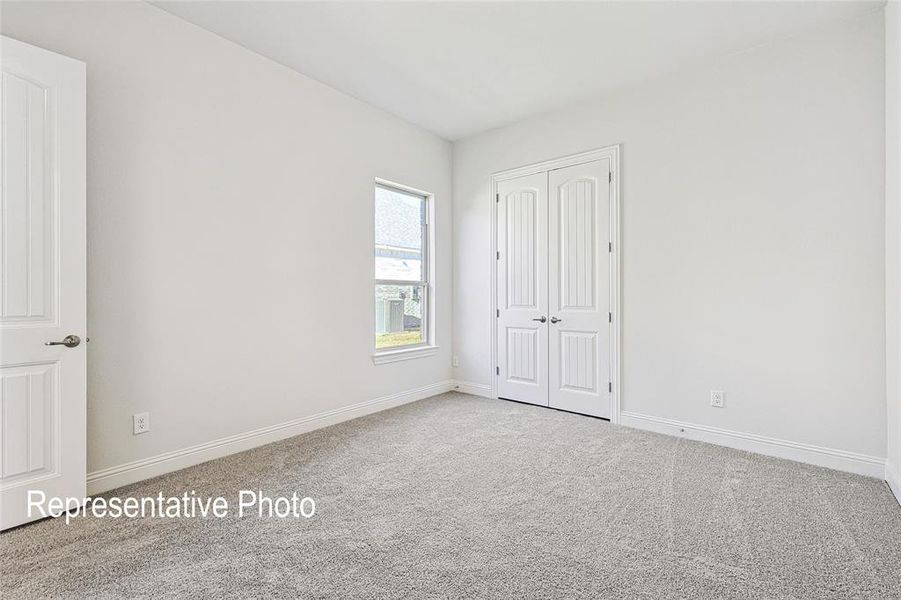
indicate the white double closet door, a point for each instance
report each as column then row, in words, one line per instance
column 553, row 288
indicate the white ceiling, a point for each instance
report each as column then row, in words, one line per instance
column 459, row 68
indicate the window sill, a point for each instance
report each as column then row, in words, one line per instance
column 391, row 356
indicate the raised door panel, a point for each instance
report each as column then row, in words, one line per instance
column 523, row 355
column 578, row 361
column 27, row 252
column 577, row 272
column 521, row 248
column 29, row 403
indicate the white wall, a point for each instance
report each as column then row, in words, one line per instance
column 230, row 282
column 892, row 231
column 230, row 205
column 753, row 237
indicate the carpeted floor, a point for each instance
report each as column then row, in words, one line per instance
column 461, row 497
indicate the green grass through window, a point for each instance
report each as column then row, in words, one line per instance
column 399, row 338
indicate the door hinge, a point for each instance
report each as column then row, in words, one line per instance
column 609, row 246
column 610, row 317
column 497, row 197
column 498, row 313
column 497, row 370
column 609, row 176
column 498, row 255
column 610, row 386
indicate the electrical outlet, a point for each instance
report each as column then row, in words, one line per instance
column 141, row 423
column 717, row 398
column 455, row 361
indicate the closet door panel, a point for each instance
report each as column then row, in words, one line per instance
column 578, row 288
column 522, row 356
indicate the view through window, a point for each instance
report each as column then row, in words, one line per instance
column 401, row 268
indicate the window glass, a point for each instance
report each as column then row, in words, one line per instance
column 401, row 268
column 398, row 315
column 398, row 235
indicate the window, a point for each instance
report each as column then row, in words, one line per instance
column 402, row 272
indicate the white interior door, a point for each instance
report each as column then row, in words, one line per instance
column 579, row 288
column 42, row 273
column 522, row 289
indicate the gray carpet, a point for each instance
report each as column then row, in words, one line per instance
column 461, row 497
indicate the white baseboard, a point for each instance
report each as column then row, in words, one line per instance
column 893, row 478
column 139, row 470
column 476, row 389
column 831, row 458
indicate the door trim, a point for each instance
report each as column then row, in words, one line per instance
column 612, row 153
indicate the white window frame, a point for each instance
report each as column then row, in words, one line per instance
column 428, row 347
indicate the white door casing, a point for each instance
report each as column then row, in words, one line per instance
column 42, row 274
column 582, row 283
column 522, row 289
column 579, row 288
